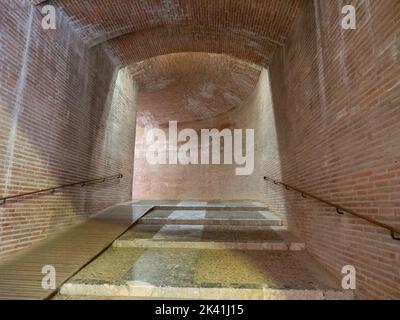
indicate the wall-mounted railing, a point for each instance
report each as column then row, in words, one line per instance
column 395, row 233
column 69, row 185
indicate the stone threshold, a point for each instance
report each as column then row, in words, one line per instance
column 232, row 222
column 209, row 245
column 210, row 208
column 145, row 290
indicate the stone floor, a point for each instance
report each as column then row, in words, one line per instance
column 196, row 260
column 67, row 251
column 211, row 217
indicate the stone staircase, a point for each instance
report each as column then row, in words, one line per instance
column 205, row 252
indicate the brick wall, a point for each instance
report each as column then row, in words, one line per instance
column 336, row 107
column 66, row 114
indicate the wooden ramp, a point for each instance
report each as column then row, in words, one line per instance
column 21, row 276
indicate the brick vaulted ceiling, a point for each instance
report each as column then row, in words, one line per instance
column 247, row 29
column 135, row 31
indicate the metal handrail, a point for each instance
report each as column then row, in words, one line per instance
column 395, row 234
column 54, row 189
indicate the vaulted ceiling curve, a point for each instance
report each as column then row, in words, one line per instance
column 192, row 59
column 136, row 30
column 191, row 86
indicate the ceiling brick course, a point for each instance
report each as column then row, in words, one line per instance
column 254, row 27
column 197, row 82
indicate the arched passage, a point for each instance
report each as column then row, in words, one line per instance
column 69, row 99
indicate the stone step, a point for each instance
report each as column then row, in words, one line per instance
column 212, row 217
column 205, row 274
column 270, row 245
column 145, row 291
column 213, row 208
column 204, row 205
column 209, row 237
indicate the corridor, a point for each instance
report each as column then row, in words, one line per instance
column 200, row 149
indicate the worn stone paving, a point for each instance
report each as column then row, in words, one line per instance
column 211, row 217
column 198, row 261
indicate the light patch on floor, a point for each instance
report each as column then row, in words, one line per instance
column 187, row 214
column 192, row 203
column 112, row 265
column 159, row 267
column 180, row 233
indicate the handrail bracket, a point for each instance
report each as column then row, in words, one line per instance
column 339, row 211
column 395, row 236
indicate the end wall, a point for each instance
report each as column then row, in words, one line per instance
column 210, row 182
